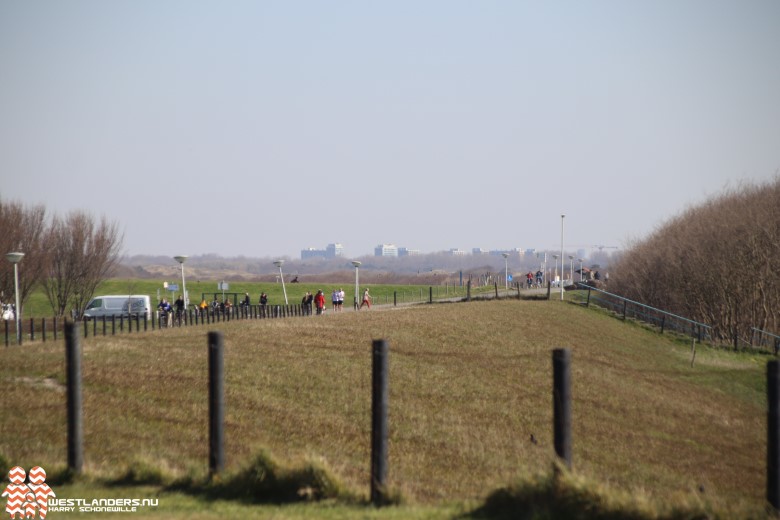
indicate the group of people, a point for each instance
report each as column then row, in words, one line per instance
column 336, row 299
column 167, row 310
column 308, row 302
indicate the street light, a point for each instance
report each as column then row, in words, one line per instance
column 562, row 220
column 571, row 269
column 278, row 263
column 356, row 263
column 15, row 258
column 181, row 259
column 555, row 276
column 506, row 271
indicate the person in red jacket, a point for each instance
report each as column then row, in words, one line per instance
column 319, row 302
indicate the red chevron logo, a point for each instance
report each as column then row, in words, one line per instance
column 37, row 475
column 16, row 475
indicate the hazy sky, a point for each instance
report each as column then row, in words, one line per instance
column 260, row 128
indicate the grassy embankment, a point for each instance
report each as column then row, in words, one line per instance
column 469, row 385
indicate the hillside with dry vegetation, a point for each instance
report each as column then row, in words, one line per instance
column 716, row 263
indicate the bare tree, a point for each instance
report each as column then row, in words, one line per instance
column 84, row 253
column 23, row 230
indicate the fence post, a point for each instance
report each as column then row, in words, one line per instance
column 587, row 303
column 94, row 327
column 86, row 327
column 562, row 404
column 468, row 291
column 379, row 405
column 430, row 294
column 113, row 325
column 55, row 329
column 73, row 371
column 625, row 306
column 43, row 329
column 549, row 285
column 32, row 329
column 216, row 403
column 663, row 323
column 6, row 333
column 773, row 434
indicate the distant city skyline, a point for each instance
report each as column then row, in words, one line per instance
column 337, row 250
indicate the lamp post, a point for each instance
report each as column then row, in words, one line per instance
column 15, row 258
column 506, row 271
column 555, row 275
column 278, row 263
column 562, row 220
column 356, row 263
column 580, row 259
column 571, row 269
column 181, row 259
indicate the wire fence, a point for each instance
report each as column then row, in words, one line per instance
column 664, row 321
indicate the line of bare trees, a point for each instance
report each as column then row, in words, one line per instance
column 718, row 263
column 67, row 256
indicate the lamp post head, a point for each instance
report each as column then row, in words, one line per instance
column 356, row 263
column 505, row 255
column 181, row 258
column 278, row 263
column 15, row 257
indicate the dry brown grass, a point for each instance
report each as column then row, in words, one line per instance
column 470, row 384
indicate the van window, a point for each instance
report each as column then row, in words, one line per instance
column 95, row 304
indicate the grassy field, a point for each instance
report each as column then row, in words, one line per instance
column 38, row 305
column 470, row 383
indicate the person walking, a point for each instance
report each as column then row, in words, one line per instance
column 319, row 302
column 366, row 300
column 334, row 299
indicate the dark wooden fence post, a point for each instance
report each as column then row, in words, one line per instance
column 379, row 405
column 32, row 329
column 587, row 303
column 6, row 332
column 773, row 434
column 216, row 403
column 468, row 291
column 43, row 329
column 55, row 328
column 430, row 294
column 73, row 370
column 562, row 404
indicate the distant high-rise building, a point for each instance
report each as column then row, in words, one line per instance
column 331, row 251
column 478, row 251
column 334, row 250
column 457, row 252
column 405, row 251
column 386, row 250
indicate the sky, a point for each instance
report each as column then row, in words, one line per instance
column 260, row 128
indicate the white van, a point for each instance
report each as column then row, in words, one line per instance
column 118, row 304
